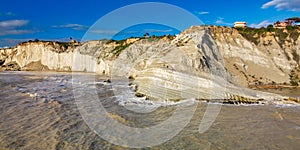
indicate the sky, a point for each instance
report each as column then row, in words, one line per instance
column 59, row 20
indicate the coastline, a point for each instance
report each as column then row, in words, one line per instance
column 102, row 79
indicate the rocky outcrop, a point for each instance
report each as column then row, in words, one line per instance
column 55, row 56
column 201, row 62
column 189, row 66
column 265, row 58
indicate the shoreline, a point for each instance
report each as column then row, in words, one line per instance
column 288, row 100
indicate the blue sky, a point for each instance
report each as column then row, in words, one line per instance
column 58, row 20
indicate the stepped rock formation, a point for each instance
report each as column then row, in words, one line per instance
column 201, row 62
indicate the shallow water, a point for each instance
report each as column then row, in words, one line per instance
column 38, row 111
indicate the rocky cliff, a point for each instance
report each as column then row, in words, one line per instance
column 259, row 57
column 191, row 65
column 53, row 56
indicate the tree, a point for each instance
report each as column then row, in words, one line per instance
column 71, row 40
column 269, row 26
column 289, row 28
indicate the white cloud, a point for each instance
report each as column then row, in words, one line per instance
column 292, row 5
column 157, row 30
column 221, row 21
column 106, row 32
column 11, row 27
column 201, row 12
column 71, row 26
column 13, row 23
column 15, row 31
column 264, row 23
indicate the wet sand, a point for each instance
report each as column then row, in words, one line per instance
column 38, row 111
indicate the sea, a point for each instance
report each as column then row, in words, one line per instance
column 59, row 110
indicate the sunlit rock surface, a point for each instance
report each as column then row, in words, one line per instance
column 199, row 60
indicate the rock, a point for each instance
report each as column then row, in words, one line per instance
column 107, row 81
column 269, row 60
column 190, row 65
column 139, row 94
column 35, row 66
column 44, row 100
column 11, row 66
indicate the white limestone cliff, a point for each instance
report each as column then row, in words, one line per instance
column 200, row 59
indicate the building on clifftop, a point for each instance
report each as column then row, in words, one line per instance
column 295, row 21
column 240, row 24
column 288, row 22
column 283, row 24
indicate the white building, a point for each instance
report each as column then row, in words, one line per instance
column 240, row 24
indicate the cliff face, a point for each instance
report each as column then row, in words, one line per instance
column 259, row 58
column 53, row 56
column 250, row 59
column 172, row 67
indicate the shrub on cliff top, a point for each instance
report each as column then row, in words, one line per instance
column 291, row 28
column 253, row 34
column 250, row 34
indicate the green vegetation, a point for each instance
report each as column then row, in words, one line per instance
column 291, row 28
column 154, row 38
column 282, row 36
column 296, row 57
column 64, row 44
column 270, row 27
column 118, row 49
column 294, row 35
column 253, row 34
column 116, row 41
column 294, row 78
column 122, row 44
